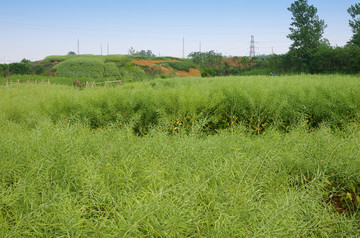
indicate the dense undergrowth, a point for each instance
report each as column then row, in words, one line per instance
column 195, row 104
column 222, row 157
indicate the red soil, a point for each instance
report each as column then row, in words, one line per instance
column 166, row 71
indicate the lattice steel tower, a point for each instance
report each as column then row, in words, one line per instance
column 252, row 47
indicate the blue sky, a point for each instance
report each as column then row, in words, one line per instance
column 34, row 29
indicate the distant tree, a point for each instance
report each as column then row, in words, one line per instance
column 25, row 61
column 354, row 12
column 144, row 53
column 208, row 58
column 131, row 51
column 306, row 32
column 21, row 68
column 141, row 53
column 149, row 53
column 71, row 53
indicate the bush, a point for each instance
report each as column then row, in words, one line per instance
column 3, row 70
column 111, row 70
column 57, row 58
column 20, row 68
column 138, row 75
column 80, row 67
column 182, row 66
column 116, row 59
column 208, row 73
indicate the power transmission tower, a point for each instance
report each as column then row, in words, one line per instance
column 252, row 47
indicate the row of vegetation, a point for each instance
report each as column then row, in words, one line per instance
column 184, row 105
column 277, row 150
column 78, row 67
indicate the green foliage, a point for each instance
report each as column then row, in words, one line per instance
column 306, row 33
column 57, row 58
column 181, row 66
column 208, row 72
column 4, row 70
column 93, row 66
column 138, row 74
column 144, row 53
column 206, row 59
column 111, row 70
column 345, row 60
column 20, row 68
column 119, row 60
column 354, row 12
column 276, row 150
column 80, row 67
column 280, row 102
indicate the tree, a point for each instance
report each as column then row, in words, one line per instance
column 209, row 58
column 144, row 53
column 306, row 33
column 131, row 51
column 71, row 53
column 354, row 12
column 149, row 53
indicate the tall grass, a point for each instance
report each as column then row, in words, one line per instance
column 38, row 79
column 206, row 105
column 205, row 166
column 183, row 65
column 69, row 180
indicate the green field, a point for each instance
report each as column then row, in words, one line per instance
column 182, row 157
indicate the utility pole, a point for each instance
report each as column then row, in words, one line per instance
column 252, row 47
column 101, row 48
column 200, row 47
column 78, row 46
column 108, row 49
column 183, row 48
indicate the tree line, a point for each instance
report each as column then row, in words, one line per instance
column 310, row 52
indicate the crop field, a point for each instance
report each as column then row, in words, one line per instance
column 182, row 157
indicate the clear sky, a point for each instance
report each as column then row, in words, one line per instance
column 34, row 29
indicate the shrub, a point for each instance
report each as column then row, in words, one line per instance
column 20, row 68
column 182, row 66
column 57, row 58
column 138, row 74
column 3, row 70
column 111, row 70
column 208, row 73
column 80, row 67
column 116, row 59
